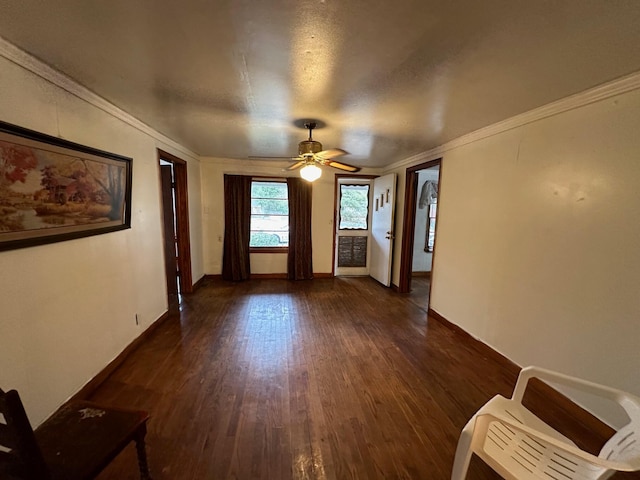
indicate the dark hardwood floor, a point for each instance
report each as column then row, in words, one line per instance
column 323, row 379
column 419, row 294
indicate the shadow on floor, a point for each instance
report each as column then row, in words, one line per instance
column 419, row 294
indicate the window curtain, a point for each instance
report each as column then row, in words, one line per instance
column 237, row 226
column 299, row 261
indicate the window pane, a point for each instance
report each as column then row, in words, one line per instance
column 269, row 205
column 431, row 239
column 268, row 239
column 354, row 207
column 269, row 190
column 269, row 214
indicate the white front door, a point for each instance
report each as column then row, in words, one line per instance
column 382, row 234
column 353, row 226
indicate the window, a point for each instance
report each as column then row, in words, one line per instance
column 269, row 214
column 431, row 233
column 354, row 207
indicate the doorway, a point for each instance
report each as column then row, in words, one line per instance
column 363, row 220
column 175, row 220
column 352, row 222
column 419, row 232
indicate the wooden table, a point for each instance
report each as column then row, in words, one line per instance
column 81, row 438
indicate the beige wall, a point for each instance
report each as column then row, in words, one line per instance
column 538, row 241
column 69, row 308
column 213, row 171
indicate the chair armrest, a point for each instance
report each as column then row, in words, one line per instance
column 630, row 403
column 482, row 426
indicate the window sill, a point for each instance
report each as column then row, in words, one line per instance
column 268, row 249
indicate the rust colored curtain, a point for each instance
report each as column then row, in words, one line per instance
column 299, row 261
column 237, row 226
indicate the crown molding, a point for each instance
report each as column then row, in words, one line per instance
column 616, row 87
column 51, row 75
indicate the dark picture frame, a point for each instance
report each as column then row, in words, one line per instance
column 53, row 190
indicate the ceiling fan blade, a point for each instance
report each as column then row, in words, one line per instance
column 343, row 166
column 296, row 165
column 331, row 153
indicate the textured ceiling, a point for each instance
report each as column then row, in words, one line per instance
column 389, row 79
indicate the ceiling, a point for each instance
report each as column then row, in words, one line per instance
column 389, row 79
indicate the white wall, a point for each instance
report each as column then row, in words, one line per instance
column 69, row 308
column 538, row 241
column 213, row 171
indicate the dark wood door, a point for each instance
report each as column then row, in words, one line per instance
column 168, row 213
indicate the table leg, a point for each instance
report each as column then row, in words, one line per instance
column 142, row 453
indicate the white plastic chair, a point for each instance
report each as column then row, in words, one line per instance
column 520, row 446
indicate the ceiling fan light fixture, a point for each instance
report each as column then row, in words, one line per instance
column 310, row 172
column 309, row 147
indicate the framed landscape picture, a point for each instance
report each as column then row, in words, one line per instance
column 53, row 190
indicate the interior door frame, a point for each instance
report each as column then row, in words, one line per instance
column 182, row 219
column 409, row 227
column 336, row 187
column 168, row 232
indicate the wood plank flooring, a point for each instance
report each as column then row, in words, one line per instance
column 324, row 379
column 419, row 294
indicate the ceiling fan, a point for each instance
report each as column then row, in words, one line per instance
column 310, row 155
